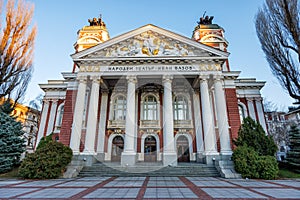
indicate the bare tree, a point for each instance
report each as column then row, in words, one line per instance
column 16, row 49
column 278, row 29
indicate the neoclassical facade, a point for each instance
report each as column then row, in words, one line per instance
column 150, row 95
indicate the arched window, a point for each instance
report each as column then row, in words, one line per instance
column 181, row 111
column 242, row 113
column 119, row 108
column 150, row 108
column 60, row 115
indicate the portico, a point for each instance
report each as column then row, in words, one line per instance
column 150, row 95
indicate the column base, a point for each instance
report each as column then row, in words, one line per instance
column 211, row 158
column 100, row 157
column 85, row 160
column 128, row 159
column 226, row 155
column 200, row 157
column 170, row 159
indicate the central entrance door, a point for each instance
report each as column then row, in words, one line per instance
column 183, row 151
column 150, row 154
column 117, row 149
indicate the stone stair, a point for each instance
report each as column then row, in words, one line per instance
column 149, row 169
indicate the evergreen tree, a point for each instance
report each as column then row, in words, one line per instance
column 11, row 139
column 293, row 156
column 253, row 135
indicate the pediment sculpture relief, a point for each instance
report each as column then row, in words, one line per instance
column 149, row 44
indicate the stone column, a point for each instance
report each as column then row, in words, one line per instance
column 251, row 108
column 52, row 117
column 198, row 128
column 128, row 157
column 260, row 113
column 169, row 153
column 78, row 115
column 102, row 123
column 222, row 117
column 208, row 121
column 89, row 147
column 43, row 122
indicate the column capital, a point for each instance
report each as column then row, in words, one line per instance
column 258, row 99
column 96, row 79
column 46, row 101
column 131, row 79
column 54, row 101
column 218, row 77
column 82, row 78
column 251, row 99
column 203, row 77
column 167, row 78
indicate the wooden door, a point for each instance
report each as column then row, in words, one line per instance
column 150, row 149
column 117, row 149
column 183, row 151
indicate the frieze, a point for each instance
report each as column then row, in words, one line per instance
column 152, row 68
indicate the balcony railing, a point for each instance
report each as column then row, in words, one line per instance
column 183, row 124
column 149, row 124
column 116, row 124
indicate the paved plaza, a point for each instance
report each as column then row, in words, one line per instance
column 149, row 188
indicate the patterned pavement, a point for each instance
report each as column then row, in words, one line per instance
column 207, row 188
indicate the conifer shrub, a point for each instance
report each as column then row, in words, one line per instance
column 254, row 156
column 246, row 161
column 47, row 162
column 293, row 156
column 11, row 139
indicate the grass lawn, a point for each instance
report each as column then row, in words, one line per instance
column 11, row 174
column 285, row 173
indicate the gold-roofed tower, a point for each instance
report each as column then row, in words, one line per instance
column 91, row 35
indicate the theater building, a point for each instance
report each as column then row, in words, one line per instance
column 150, row 95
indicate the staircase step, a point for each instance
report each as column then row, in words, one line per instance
column 149, row 169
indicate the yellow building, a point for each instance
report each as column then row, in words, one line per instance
column 29, row 117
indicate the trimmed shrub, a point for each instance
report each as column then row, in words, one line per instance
column 44, row 141
column 248, row 163
column 245, row 161
column 267, row 167
column 253, row 135
column 49, row 161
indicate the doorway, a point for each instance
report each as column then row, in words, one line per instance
column 183, row 151
column 150, row 153
column 117, row 148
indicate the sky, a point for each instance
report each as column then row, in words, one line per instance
column 59, row 20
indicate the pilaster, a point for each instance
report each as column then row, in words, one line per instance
column 43, row 122
column 128, row 157
column 78, row 115
column 89, row 147
column 222, row 117
column 208, row 121
column 169, row 153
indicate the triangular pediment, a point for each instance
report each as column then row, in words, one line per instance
column 149, row 41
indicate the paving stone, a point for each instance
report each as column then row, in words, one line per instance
column 153, row 183
column 176, row 193
column 231, row 193
column 10, row 182
column 45, row 183
column 11, row 192
column 79, row 184
column 115, row 183
column 114, row 193
column 280, row 192
column 54, row 193
column 93, row 178
column 252, row 183
column 202, row 179
column 291, row 183
column 130, row 179
column 164, row 178
column 213, row 183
